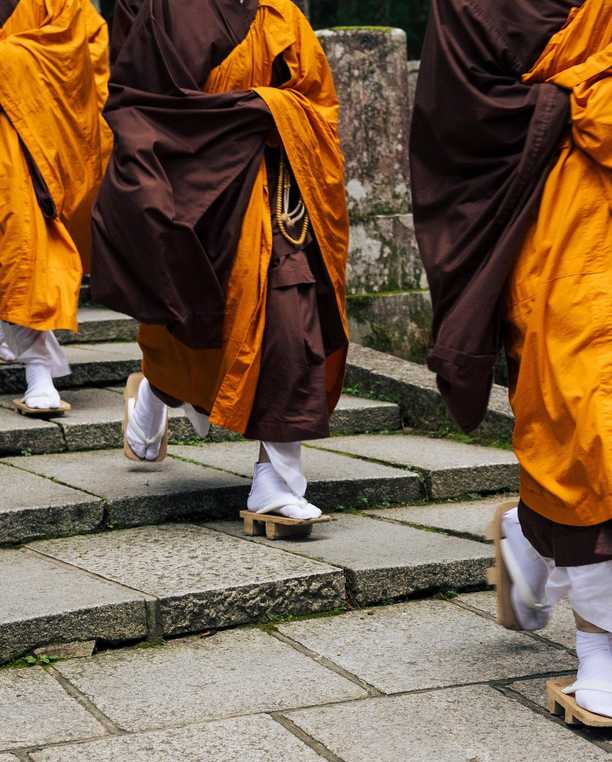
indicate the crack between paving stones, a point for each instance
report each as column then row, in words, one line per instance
column 581, row 731
column 426, row 528
column 532, row 635
column 324, row 661
column 95, row 575
column 53, row 479
column 109, row 725
column 308, row 740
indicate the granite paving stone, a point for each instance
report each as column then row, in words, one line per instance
column 138, row 493
column 470, row 518
column 452, row 468
column 91, row 364
column 533, row 690
column 96, row 420
column 246, row 739
column 19, row 433
column 414, row 387
column 196, row 679
column 470, row 724
column 32, row 507
column 334, row 480
column 426, row 644
column 356, row 415
column 7, row 758
column 97, row 324
column 34, row 709
column 561, row 629
column 43, row 602
column 384, row 561
column 204, row 578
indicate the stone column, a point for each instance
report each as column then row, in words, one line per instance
column 389, row 303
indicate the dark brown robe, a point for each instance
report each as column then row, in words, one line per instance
column 482, row 144
column 182, row 168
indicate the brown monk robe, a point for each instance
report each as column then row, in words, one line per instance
column 242, row 307
column 53, row 146
column 512, row 173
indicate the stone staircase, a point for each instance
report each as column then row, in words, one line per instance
column 98, row 549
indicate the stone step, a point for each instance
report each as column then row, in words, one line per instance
column 74, row 493
column 103, row 364
column 175, row 579
column 414, row 388
column 98, row 324
column 95, row 423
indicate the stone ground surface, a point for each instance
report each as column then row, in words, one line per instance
column 433, row 680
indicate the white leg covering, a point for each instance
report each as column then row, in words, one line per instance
column 147, row 423
column 44, row 359
column 594, row 651
column 279, row 486
column 529, row 572
column 5, row 352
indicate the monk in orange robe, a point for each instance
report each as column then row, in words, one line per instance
column 53, row 74
column 513, row 204
column 222, row 227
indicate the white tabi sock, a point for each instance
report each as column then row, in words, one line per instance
column 594, row 651
column 528, row 604
column 41, row 393
column 149, row 416
column 271, row 494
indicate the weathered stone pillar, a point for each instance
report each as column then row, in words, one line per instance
column 389, row 304
column 371, row 72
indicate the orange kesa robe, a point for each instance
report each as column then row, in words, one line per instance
column 560, row 295
column 53, row 80
column 305, row 111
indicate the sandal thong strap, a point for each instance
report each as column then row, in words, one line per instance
column 148, row 441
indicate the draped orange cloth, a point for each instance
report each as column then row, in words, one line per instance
column 560, row 294
column 305, row 111
column 53, row 84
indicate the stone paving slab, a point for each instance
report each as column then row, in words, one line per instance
column 561, row 628
column 98, row 324
column 32, row 507
column 425, row 644
column 247, row 739
column 197, row 679
column 204, row 579
column 137, row 494
column 470, row 518
column 91, row 364
column 384, row 561
column 533, row 690
column 414, row 388
column 452, row 468
column 96, row 419
column 43, row 602
column 19, row 433
column 35, row 709
column 471, row 724
column 334, row 480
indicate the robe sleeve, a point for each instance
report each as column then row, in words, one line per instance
column 481, row 145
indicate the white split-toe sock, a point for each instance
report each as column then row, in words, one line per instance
column 271, row 494
column 529, row 573
column 41, row 393
column 6, row 352
column 594, row 651
column 147, row 423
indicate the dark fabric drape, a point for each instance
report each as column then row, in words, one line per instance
column 6, row 10
column 168, row 216
column 482, row 144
